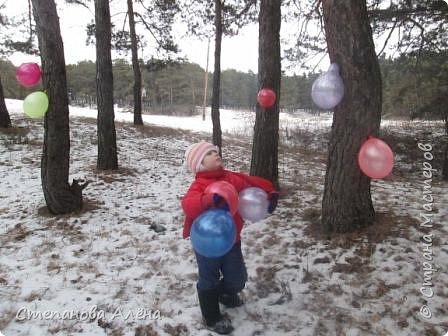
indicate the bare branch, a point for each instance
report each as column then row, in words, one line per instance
column 148, row 27
column 78, row 2
column 30, row 19
column 402, row 13
column 244, row 10
column 388, row 37
column 124, row 21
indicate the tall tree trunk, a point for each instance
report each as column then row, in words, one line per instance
column 193, row 92
column 217, row 134
column 107, row 143
column 5, row 120
column 347, row 202
column 136, row 66
column 60, row 197
column 204, row 103
column 265, row 144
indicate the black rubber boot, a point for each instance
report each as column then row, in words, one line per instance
column 208, row 301
column 231, row 301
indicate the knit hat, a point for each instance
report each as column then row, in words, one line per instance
column 196, row 153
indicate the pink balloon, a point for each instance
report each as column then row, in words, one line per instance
column 375, row 158
column 266, row 98
column 227, row 191
column 28, row 74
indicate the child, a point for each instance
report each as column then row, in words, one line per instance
column 203, row 160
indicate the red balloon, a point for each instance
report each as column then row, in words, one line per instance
column 266, row 98
column 375, row 158
column 227, row 191
column 28, row 74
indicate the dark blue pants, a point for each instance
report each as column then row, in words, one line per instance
column 228, row 273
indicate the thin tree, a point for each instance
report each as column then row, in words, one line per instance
column 228, row 16
column 5, row 120
column 107, row 143
column 5, row 48
column 136, row 67
column 204, row 103
column 60, row 197
column 217, row 134
column 157, row 18
column 347, row 203
column 264, row 161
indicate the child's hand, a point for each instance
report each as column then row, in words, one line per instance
column 220, row 202
column 273, row 200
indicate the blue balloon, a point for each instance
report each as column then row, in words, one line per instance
column 213, row 233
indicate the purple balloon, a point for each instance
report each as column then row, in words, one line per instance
column 328, row 88
column 28, row 74
column 253, row 204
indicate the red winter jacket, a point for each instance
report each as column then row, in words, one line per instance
column 193, row 203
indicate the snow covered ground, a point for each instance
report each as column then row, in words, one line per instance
column 110, row 261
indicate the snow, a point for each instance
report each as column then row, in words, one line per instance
column 108, row 257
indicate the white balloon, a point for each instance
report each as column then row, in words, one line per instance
column 328, row 88
column 253, row 204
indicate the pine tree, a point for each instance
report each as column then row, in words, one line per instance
column 5, row 120
column 264, row 161
column 107, row 144
column 136, row 67
column 60, row 197
column 347, row 202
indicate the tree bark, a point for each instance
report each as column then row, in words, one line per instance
column 217, row 134
column 60, row 197
column 5, row 120
column 347, row 202
column 264, row 161
column 107, row 143
column 136, row 67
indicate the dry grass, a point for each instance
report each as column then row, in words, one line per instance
column 271, row 240
column 15, row 131
column 6, row 316
column 386, row 226
column 151, row 131
column 110, row 176
column 33, row 296
column 65, row 328
column 146, row 330
column 177, row 330
column 311, row 215
column 54, row 266
column 353, row 265
column 265, row 282
column 87, row 206
column 17, row 234
column 406, row 146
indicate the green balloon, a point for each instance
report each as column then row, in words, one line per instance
column 35, row 104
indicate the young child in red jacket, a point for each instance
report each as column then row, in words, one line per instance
column 222, row 278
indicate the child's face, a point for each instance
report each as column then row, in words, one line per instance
column 212, row 161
